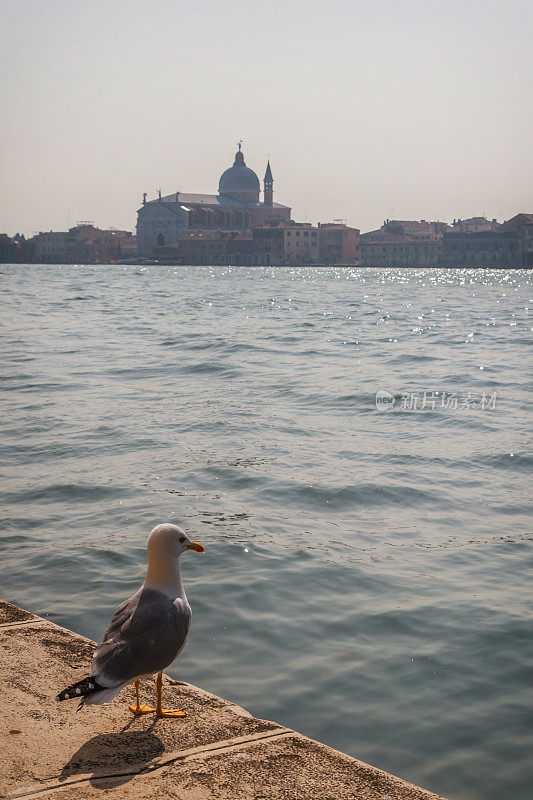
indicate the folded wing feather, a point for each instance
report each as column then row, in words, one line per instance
column 144, row 636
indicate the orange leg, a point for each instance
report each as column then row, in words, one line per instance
column 138, row 709
column 165, row 712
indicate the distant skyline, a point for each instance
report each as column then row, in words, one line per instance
column 367, row 110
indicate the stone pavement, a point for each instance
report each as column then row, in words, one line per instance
column 217, row 752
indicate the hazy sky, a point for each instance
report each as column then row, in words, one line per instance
column 368, row 109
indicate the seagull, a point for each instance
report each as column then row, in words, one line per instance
column 146, row 632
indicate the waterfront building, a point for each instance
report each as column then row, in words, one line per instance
column 399, row 252
column 474, row 224
column 282, row 244
column 10, row 249
column 260, row 246
column 338, row 244
column 403, row 243
column 91, row 245
column 236, row 206
column 84, row 243
column 474, row 242
column 50, row 247
column 491, row 248
column 507, row 245
column 413, row 229
column 300, row 244
column 525, row 241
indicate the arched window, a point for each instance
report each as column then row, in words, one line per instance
column 160, row 241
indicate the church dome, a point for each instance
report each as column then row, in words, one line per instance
column 239, row 177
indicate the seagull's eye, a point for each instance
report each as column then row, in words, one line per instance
column 182, row 539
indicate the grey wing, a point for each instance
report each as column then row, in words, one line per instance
column 144, row 636
column 123, row 613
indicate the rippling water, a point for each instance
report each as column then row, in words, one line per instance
column 365, row 579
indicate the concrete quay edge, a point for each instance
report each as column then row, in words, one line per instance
column 217, row 752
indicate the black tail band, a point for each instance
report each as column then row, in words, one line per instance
column 80, row 689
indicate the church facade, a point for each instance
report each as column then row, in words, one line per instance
column 236, row 207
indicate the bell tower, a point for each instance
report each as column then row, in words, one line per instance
column 268, row 184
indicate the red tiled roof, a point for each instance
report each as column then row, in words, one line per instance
column 517, row 221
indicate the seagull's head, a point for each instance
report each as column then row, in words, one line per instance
column 168, row 541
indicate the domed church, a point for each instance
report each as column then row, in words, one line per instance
column 237, row 206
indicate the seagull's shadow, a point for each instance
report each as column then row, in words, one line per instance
column 109, row 754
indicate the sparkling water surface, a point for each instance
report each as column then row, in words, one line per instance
column 365, row 575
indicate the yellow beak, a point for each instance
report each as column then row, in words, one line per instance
column 195, row 546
